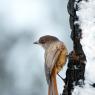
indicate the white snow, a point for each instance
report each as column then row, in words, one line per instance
column 86, row 21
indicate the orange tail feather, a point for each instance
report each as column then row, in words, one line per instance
column 52, row 90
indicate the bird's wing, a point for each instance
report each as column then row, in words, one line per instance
column 51, row 57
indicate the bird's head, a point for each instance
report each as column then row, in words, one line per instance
column 45, row 41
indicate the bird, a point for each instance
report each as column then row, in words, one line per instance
column 55, row 59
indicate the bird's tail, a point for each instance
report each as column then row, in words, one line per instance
column 52, row 90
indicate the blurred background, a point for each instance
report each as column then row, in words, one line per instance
column 21, row 62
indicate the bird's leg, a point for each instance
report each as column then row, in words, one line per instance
column 67, row 55
column 61, row 77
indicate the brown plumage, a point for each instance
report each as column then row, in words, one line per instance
column 55, row 59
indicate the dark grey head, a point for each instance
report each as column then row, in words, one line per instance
column 45, row 41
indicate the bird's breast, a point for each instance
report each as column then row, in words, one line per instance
column 61, row 60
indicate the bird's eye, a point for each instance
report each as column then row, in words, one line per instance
column 42, row 41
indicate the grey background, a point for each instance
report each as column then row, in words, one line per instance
column 21, row 23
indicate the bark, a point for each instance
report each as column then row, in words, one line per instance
column 77, row 58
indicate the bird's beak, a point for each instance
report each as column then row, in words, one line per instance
column 36, row 42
